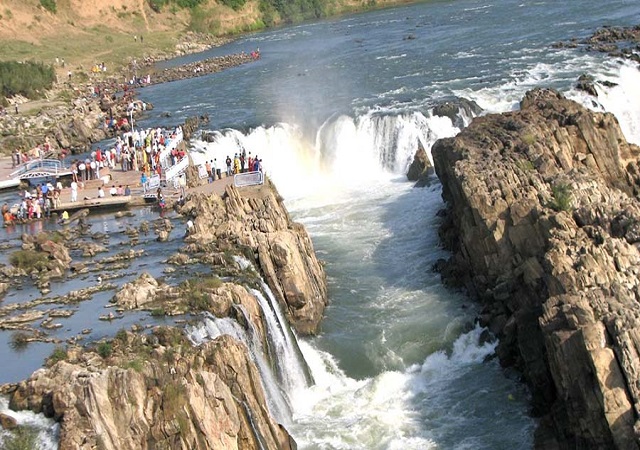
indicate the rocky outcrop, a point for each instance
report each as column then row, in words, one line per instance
column 420, row 169
column 618, row 42
column 457, row 110
column 138, row 293
column 152, row 392
column 256, row 220
column 543, row 222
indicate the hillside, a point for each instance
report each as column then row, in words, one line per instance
column 85, row 32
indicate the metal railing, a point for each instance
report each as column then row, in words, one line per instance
column 248, row 179
column 50, row 166
column 176, row 169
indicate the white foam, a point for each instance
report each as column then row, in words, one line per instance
column 382, row 412
column 48, row 429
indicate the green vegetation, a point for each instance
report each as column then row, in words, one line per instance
column 49, row 5
column 29, row 78
column 293, row 11
column 157, row 5
column 236, row 5
column 105, row 349
column 20, row 340
column 135, row 364
column 197, row 291
column 58, row 354
column 157, row 312
column 561, row 197
column 529, row 139
column 525, row 165
column 28, row 260
column 22, row 438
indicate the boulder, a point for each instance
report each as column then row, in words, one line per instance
column 136, row 294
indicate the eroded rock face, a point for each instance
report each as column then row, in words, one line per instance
column 256, row 220
column 167, row 395
column 543, row 219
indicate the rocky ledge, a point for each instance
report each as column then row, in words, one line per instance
column 159, row 389
column 544, row 224
column 154, row 391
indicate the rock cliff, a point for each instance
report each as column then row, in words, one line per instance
column 257, row 222
column 155, row 391
column 544, row 225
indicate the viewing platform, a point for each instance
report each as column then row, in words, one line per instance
column 37, row 169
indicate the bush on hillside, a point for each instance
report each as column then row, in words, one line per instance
column 27, row 79
column 236, row 5
column 291, row 11
column 49, row 5
column 189, row 3
column 157, row 5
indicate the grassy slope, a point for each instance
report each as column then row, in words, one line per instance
column 86, row 32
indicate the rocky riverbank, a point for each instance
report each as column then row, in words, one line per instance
column 544, row 224
column 159, row 390
column 74, row 123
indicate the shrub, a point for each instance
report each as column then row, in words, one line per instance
column 28, row 260
column 27, row 79
column 135, row 364
column 525, row 165
column 49, row 5
column 189, row 3
column 157, row 5
column 197, row 291
column 105, row 349
column 19, row 340
column 561, row 197
column 157, row 312
column 236, row 5
column 529, row 139
column 58, row 354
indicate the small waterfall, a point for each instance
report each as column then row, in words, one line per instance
column 47, row 430
column 293, row 371
column 290, row 373
column 212, row 327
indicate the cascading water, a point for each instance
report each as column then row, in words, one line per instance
column 291, row 375
column 45, row 430
column 212, row 327
column 345, row 151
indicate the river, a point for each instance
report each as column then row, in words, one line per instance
column 336, row 109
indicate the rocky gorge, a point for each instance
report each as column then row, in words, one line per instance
column 155, row 387
column 543, row 218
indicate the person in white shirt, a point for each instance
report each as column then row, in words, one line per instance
column 113, row 191
column 100, row 192
column 74, row 191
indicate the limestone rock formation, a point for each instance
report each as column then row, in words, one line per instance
column 543, row 222
column 138, row 293
column 155, row 392
column 256, row 220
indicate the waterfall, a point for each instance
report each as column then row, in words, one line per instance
column 212, row 327
column 344, row 152
column 47, row 430
column 290, row 373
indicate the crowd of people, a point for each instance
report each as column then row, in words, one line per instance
column 242, row 162
column 138, row 150
column 34, row 205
